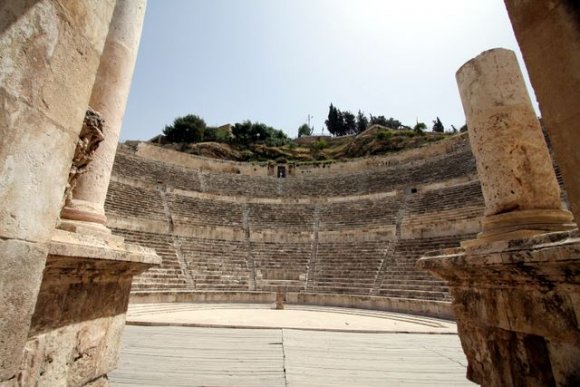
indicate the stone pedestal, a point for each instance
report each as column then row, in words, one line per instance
column 521, row 193
column 517, row 305
column 280, row 298
column 74, row 338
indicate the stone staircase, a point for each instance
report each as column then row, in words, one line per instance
column 347, row 267
column 169, row 276
column 403, row 279
column 282, row 265
column 216, row 264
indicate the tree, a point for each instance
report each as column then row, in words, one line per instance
column 463, row 128
column 189, row 128
column 334, row 121
column 275, row 137
column 247, row 133
column 420, row 127
column 221, row 134
column 242, row 133
column 304, row 130
column 348, row 123
column 362, row 122
column 438, row 126
column 393, row 123
column 379, row 120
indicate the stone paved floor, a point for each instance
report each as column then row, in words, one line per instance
column 292, row 317
column 198, row 356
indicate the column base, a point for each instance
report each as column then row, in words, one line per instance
column 520, row 225
column 84, row 218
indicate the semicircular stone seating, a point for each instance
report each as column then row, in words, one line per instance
column 347, row 235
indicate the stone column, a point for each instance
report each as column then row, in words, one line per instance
column 521, row 193
column 50, row 53
column 109, row 98
column 548, row 33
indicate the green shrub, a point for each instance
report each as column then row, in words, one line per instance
column 319, row 145
column 383, row 135
column 407, row 133
column 247, row 155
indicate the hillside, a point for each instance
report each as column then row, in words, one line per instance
column 376, row 140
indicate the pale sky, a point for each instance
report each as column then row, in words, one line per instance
column 277, row 61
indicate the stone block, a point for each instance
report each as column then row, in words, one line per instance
column 11, row 11
column 23, row 72
column 75, row 331
column 109, row 355
column 517, row 315
column 56, row 71
column 91, row 18
column 564, row 360
column 65, row 94
column 73, row 355
column 45, row 89
column 21, row 265
column 31, row 188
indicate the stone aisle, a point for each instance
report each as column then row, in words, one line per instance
column 183, row 356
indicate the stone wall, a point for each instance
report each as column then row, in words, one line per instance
column 63, row 290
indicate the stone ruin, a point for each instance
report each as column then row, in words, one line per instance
column 351, row 235
column 64, row 278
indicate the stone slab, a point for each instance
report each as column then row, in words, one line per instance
column 180, row 356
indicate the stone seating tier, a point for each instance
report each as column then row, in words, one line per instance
column 169, row 275
column 216, row 264
column 448, row 198
column 125, row 200
column 402, row 279
column 275, row 242
column 359, row 213
column 194, row 211
column 129, row 201
column 456, row 164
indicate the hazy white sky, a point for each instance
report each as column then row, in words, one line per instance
column 277, row 61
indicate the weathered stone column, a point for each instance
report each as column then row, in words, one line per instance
column 521, row 193
column 109, row 98
column 515, row 288
column 50, row 53
column 548, row 33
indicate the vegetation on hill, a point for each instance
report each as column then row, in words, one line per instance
column 354, row 136
column 343, row 123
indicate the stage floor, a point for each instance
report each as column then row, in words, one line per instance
column 254, row 345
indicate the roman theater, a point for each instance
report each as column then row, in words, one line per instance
column 348, row 234
column 460, row 257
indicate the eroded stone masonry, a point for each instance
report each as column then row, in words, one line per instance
column 64, row 278
column 491, row 205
